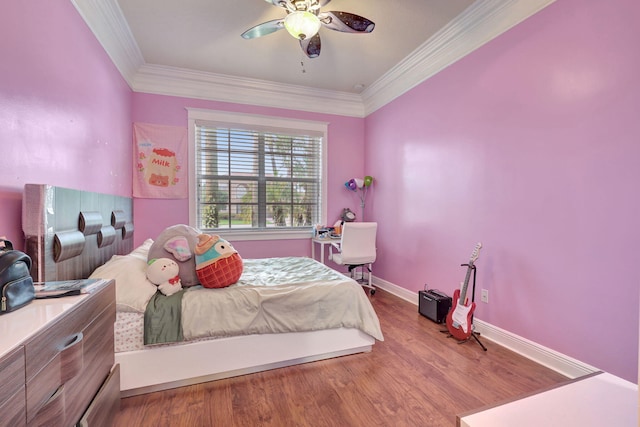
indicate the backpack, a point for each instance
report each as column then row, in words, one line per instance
column 16, row 284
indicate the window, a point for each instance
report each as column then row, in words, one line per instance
column 255, row 174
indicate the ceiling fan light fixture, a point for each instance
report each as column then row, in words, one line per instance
column 302, row 24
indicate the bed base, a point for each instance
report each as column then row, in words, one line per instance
column 70, row 232
column 166, row 367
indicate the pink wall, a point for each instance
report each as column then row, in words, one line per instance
column 345, row 160
column 65, row 111
column 529, row 145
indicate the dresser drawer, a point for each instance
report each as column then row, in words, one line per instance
column 99, row 358
column 68, row 361
column 47, row 344
column 11, row 373
column 46, row 395
column 106, row 404
column 12, row 407
column 13, row 410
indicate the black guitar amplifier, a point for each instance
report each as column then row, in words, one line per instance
column 434, row 305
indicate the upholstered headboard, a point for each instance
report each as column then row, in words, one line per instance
column 71, row 232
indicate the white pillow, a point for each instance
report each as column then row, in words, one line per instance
column 142, row 251
column 133, row 289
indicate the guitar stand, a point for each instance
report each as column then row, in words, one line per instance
column 474, row 334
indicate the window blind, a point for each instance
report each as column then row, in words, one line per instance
column 256, row 177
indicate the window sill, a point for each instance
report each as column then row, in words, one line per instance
column 236, row 235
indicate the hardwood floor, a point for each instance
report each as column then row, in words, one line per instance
column 416, row 377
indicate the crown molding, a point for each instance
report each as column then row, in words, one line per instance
column 172, row 81
column 105, row 19
column 478, row 24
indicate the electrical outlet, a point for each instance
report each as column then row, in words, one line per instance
column 484, row 296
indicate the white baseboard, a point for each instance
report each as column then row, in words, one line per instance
column 559, row 362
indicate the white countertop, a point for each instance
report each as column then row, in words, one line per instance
column 17, row 326
column 596, row 401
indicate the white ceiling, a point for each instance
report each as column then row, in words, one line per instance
column 204, row 35
column 193, row 48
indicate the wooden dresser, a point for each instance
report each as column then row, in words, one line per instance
column 57, row 362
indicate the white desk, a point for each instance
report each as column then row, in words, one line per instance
column 596, row 400
column 322, row 242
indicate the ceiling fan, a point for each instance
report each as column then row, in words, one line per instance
column 303, row 21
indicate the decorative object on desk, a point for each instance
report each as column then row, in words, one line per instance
column 360, row 186
column 16, row 283
column 347, row 215
column 329, row 232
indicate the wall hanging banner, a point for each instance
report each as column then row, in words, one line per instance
column 159, row 161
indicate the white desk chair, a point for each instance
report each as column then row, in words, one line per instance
column 357, row 248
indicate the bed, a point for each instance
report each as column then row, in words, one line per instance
column 95, row 238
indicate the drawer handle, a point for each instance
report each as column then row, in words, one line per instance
column 55, row 396
column 72, row 358
column 52, row 412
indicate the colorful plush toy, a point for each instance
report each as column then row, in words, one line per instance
column 163, row 272
column 218, row 264
column 178, row 243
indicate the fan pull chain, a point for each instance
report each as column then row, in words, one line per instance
column 302, row 67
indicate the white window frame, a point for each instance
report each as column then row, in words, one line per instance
column 197, row 114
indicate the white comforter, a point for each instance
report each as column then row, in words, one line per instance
column 279, row 295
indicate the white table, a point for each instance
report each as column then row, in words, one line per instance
column 596, row 400
column 322, row 241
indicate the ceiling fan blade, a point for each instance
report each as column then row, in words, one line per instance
column 264, row 29
column 311, row 46
column 279, row 3
column 346, row 22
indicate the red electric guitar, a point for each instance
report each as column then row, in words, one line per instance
column 459, row 317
